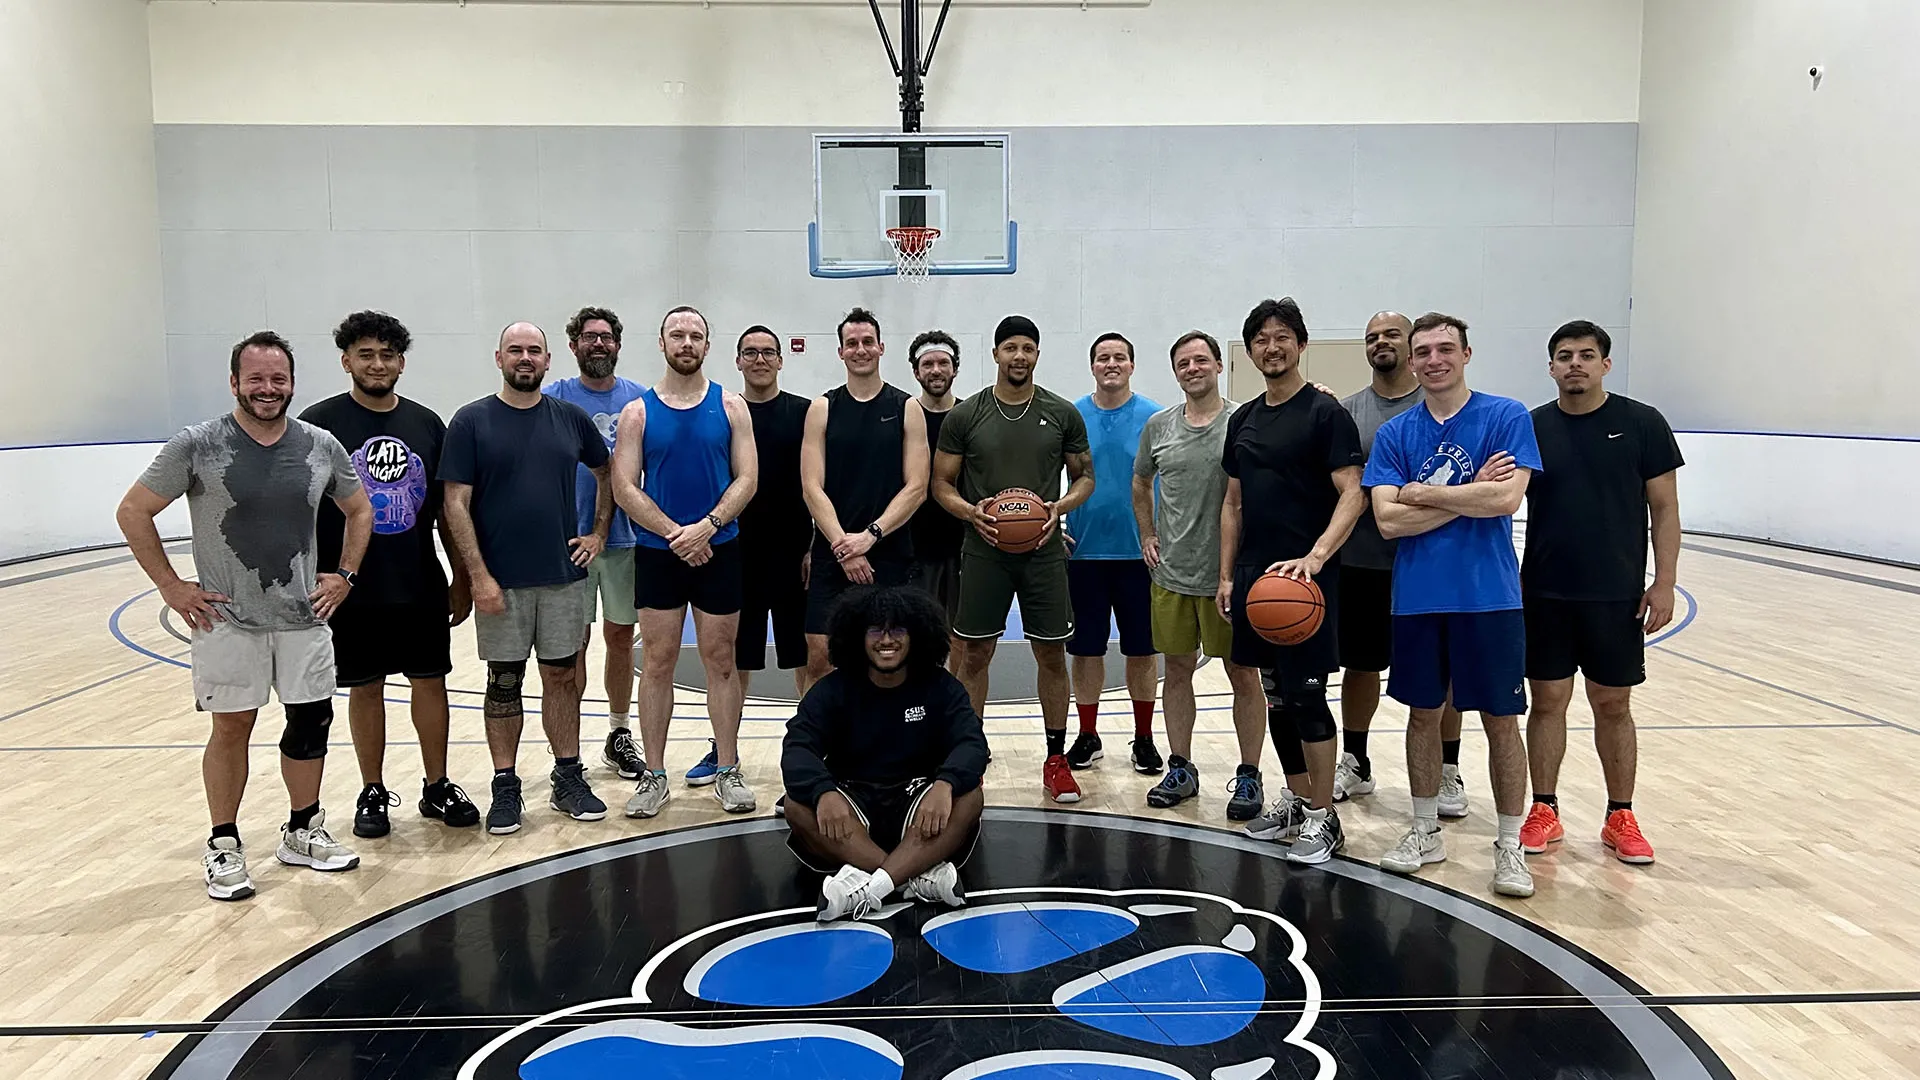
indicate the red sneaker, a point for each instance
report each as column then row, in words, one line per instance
column 1622, row 834
column 1056, row 778
column 1542, row 828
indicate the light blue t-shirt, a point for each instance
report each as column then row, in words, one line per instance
column 604, row 409
column 1104, row 528
column 1468, row 564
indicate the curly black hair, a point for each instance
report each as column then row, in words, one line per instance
column 901, row 607
column 377, row 325
column 588, row 314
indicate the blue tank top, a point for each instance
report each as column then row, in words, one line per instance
column 687, row 461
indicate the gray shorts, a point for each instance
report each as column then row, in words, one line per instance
column 544, row 620
column 234, row 668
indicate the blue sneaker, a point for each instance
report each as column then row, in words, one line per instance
column 706, row 771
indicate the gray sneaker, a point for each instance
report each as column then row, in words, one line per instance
column 226, row 866
column 650, row 795
column 1415, row 850
column 732, row 791
column 1453, row 792
column 1347, row 781
column 313, row 846
column 1249, row 794
column 1283, row 822
column 1181, row 783
column 1320, row 837
column 572, row 795
column 1510, row 874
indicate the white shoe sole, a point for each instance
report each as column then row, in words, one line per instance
column 1325, row 855
column 1453, row 811
column 1065, row 797
column 615, row 766
column 739, row 808
column 1286, row 835
column 1365, row 788
column 699, row 781
column 508, row 831
column 1518, row 892
column 1630, row 860
column 1097, row 755
column 591, row 815
column 1426, row 859
column 326, row 866
column 234, row 892
column 632, row 812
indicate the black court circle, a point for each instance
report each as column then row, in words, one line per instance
column 1094, row 947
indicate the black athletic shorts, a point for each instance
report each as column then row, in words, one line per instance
column 662, row 581
column 940, row 579
column 1366, row 619
column 373, row 641
column 771, row 587
column 1119, row 588
column 826, row 584
column 1602, row 639
column 886, row 810
column 1317, row 656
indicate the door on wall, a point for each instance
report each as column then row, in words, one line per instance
column 1340, row 364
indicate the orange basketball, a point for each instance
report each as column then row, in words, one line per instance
column 1284, row 610
column 1019, row 517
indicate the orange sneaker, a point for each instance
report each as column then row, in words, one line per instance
column 1542, row 828
column 1056, row 777
column 1622, row 834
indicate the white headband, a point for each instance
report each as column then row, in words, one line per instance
column 930, row 347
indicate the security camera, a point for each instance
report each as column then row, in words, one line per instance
column 1816, row 73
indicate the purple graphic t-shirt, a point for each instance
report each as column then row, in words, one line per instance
column 396, row 455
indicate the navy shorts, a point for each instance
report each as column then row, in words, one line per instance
column 1099, row 587
column 1482, row 655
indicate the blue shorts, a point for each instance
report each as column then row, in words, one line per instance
column 1482, row 655
column 1117, row 587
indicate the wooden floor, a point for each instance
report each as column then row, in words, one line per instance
column 1779, row 744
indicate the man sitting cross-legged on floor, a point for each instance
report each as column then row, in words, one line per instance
column 883, row 759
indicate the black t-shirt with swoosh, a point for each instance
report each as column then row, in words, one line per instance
column 1587, row 521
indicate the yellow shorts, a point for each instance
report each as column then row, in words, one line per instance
column 1184, row 624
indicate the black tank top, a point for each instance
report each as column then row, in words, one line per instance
column 864, row 445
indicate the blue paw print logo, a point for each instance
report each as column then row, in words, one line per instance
column 1023, row 984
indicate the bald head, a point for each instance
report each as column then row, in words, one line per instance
column 523, row 332
column 522, row 357
column 1389, row 341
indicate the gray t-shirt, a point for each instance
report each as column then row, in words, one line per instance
column 253, row 509
column 1186, row 515
column 1366, row 548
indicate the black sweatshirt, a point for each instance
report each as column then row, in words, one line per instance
column 848, row 729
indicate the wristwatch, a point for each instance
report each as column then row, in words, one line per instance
column 877, row 531
column 350, row 577
column 714, row 520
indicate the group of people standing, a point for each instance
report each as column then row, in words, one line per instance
column 859, row 525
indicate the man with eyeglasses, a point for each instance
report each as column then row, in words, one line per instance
column 775, row 531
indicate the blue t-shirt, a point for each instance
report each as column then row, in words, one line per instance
column 520, row 464
column 604, row 411
column 1468, row 564
column 1104, row 527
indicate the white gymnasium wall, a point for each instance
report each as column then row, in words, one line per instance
column 62, row 498
column 1846, row 495
column 821, row 65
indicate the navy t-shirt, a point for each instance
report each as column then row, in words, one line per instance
column 521, row 464
column 1468, row 564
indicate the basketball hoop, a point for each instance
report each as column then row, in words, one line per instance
column 912, row 250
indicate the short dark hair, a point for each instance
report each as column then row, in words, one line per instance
column 588, row 314
column 1434, row 320
column 933, row 337
column 265, row 339
column 902, row 607
column 1181, row 342
column 857, row 315
column 683, row 309
column 756, row 328
column 1580, row 328
column 377, row 325
column 1111, row 335
column 1286, row 309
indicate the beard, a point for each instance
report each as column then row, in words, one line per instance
column 374, row 389
column 1019, row 376
column 937, row 385
column 598, row 365
column 265, row 412
column 525, row 382
column 1385, row 360
column 685, row 365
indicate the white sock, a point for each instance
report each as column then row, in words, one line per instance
column 1318, row 815
column 1509, row 829
column 1426, row 813
column 880, row 884
column 617, row 721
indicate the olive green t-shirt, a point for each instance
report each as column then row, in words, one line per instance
column 1013, row 446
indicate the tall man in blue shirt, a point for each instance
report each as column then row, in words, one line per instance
column 1456, row 585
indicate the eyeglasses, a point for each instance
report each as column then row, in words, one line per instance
column 882, row 633
column 759, row 354
column 593, row 338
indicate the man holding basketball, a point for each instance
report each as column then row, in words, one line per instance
column 1611, row 466
column 1293, row 493
column 1016, row 435
column 1456, row 585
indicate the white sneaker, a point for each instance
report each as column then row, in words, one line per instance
column 939, row 885
column 846, row 895
column 651, row 794
column 1453, row 792
column 1415, row 850
column 314, row 846
column 1320, row 837
column 1510, row 874
column 1347, row 781
column 1283, row 821
column 226, row 866
column 732, row 791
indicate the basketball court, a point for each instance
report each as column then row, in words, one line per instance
column 1778, row 935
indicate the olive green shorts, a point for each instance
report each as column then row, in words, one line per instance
column 1183, row 624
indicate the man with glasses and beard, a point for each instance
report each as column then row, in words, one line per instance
column 509, row 469
column 594, row 336
column 254, row 483
column 398, row 618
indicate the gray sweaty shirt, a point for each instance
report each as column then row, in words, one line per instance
column 253, row 509
column 1366, row 548
column 1186, row 515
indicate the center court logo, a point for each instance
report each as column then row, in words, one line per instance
column 396, row 483
column 1450, row 464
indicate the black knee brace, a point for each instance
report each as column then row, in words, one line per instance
column 563, row 662
column 1311, row 717
column 503, row 687
column 305, row 738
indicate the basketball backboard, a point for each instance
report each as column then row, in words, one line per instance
column 864, row 185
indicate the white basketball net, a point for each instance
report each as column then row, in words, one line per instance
column 913, row 251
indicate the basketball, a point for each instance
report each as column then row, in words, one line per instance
column 1020, row 517
column 1284, row 610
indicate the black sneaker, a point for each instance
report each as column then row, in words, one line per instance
column 1085, row 750
column 444, row 800
column 1181, row 783
column 1146, row 758
column 503, row 816
column 622, row 756
column 370, row 813
column 572, row 796
column 1248, row 795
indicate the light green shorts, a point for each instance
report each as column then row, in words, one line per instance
column 610, row 577
column 1183, row 624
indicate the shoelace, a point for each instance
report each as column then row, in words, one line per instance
column 623, row 746
column 1628, row 829
column 222, row 861
column 371, row 798
column 1507, row 860
column 1178, row 776
column 1242, row 786
column 1540, row 815
column 318, row 836
column 571, row 785
column 1314, row 827
column 454, row 794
